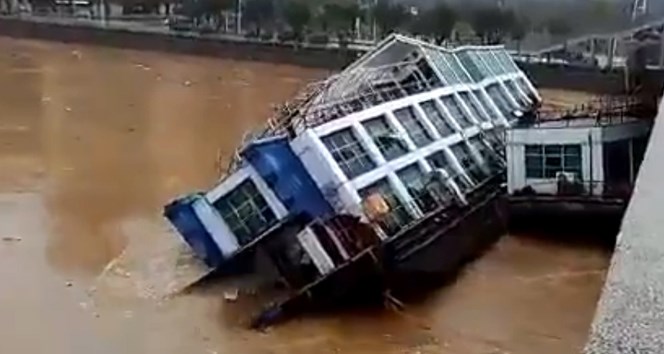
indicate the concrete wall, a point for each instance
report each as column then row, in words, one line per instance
column 630, row 314
column 177, row 43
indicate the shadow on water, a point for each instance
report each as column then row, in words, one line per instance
column 572, row 229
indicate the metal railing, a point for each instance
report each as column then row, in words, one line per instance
column 602, row 111
column 339, row 96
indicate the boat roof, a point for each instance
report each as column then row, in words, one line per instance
column 371, row 80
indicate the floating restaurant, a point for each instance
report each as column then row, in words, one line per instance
column 384, row 174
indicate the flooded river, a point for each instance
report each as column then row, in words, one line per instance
column 93, row 141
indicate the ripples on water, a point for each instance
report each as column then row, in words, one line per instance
column 93, row 141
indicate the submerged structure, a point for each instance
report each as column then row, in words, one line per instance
column 389, row 169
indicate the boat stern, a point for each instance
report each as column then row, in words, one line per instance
column 183, row 215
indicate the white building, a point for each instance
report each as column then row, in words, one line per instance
column 401, row 115
column 579, row 156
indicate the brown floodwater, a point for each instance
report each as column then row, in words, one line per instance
column 93, row 141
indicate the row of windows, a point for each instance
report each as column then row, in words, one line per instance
column 449, row 67
column 492, row 62
column 426, row 192
column 546, row 161
column 499, row 96
column 247, row 213
column 354, row 159
column 471, row 65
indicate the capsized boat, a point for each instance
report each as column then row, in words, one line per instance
column 387, row 172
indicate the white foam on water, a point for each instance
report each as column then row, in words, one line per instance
column 155, row 264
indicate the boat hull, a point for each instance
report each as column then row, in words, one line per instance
column 448, row 246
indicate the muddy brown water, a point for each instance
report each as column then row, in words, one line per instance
column 93, row 141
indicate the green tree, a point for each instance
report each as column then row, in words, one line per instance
column 201, row 10
column 463, row 32
column 389, row 16
column 558, row 26
column 258, row 13
column 491, row 23
column 297, row 15
column 518, row 30
column 437, row 22
column 340, row 17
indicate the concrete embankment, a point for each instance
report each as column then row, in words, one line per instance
column 134, row 35
column 630, row 314
column 129, row 35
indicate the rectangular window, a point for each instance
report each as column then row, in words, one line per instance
column 471, row 67
column 471, row 102
column 246, row 212
column 438, row 160
column 413, row 126
column 496, row 95
column 493, row 68
column 449, row 67
column 388, row 142
column 506, row 61
column 524, row 87
column 484, row 101
column 462, row 152
column 490, row 157
column 546, row 161
column 348, row 153
column 441, row 64
column 458, row 114
column 506, row 96
column 397, row 216
column 416, row 184
column 436, row 117
column 516, row 93
column 456, row 67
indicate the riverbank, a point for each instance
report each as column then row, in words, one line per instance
column 142, row 36
column 158, row 37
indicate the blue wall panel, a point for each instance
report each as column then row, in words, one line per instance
column 182, row 215
column 282, row 170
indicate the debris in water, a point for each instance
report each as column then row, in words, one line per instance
column 128, row 314
column 11, row 239
column 46, row 99
column 77, row 54
column 154, row 269
column 67, row 109
column 143, row 66
column 187, row 83
column 231, row 296
column 69, row 284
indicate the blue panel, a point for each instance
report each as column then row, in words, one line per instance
column 282, row 170
column 182, row 215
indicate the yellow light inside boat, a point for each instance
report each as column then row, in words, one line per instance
column 375, row 206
